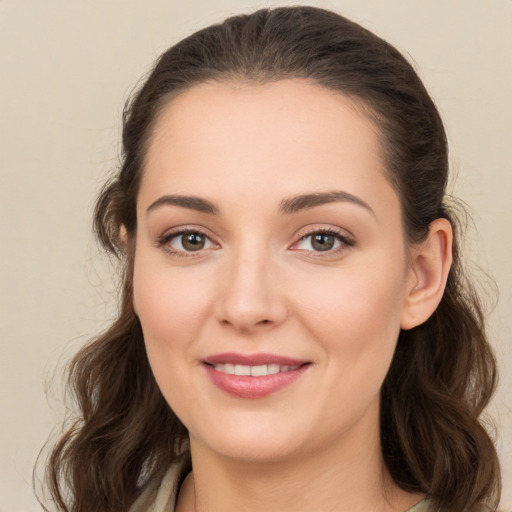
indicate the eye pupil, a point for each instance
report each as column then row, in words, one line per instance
column 322, row 242
column 193, row 241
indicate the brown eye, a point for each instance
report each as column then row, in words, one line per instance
column 322, row 242
column 186, row 242
column 192, row 241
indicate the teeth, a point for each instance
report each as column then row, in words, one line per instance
column 254, row 371
column 240, row 369
column 273, row 368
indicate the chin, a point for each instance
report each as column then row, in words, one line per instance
column 256, row 440
column 253, row 450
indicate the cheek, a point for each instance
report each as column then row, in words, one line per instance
column 171, row 310
column 356, row 319
column 355, row 303
column 358, row 331
column 169, row 304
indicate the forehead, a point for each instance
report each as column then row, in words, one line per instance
column 237, row 137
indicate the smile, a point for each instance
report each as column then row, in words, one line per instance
column 253, row 371
column 253, row 376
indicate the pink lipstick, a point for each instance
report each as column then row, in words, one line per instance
column 255, row 375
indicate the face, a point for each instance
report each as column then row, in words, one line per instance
column 270, row 268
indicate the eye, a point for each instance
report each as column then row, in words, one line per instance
column 185, row 241
column 323, row 241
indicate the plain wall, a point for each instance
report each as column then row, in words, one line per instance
column 66, row 68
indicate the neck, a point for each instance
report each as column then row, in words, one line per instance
column 347, row 478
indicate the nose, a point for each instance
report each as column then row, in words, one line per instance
column 251, row 298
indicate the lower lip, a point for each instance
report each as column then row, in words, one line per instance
column 253, row 387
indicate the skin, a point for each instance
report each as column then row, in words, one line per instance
column 260, row 286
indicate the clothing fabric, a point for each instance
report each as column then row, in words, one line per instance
column 162, row 498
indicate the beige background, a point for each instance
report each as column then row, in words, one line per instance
column 66, row 68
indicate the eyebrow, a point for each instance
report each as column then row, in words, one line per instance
column 307, row 201
column 287, row 206
column 191, row 202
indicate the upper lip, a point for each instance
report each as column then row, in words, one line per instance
column 253, row 359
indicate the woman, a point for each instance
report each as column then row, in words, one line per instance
column 296, row 332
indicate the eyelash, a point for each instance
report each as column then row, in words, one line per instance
column 163, row 241
column 346, row 241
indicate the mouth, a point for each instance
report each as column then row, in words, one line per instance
column 253, row 376
column 253, row 371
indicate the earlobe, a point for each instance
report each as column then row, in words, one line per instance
column 123, row 235
column 430, row 265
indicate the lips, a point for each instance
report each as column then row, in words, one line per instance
column 253, row 376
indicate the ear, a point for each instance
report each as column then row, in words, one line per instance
column 430, row 264
column 123, row 234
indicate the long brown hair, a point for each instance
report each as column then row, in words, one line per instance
column 443, row 372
